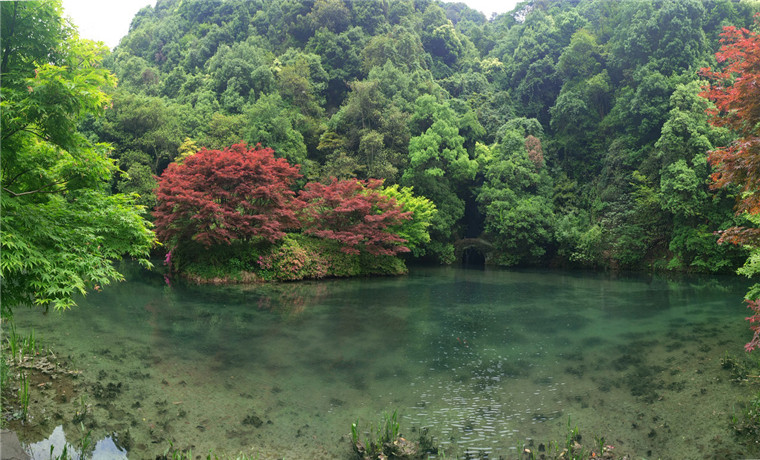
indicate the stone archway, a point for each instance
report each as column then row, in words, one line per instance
column 473, row 251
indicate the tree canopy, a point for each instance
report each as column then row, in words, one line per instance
column 567, row 133
column 414, row 93
column 217, row 196
column 61, row 225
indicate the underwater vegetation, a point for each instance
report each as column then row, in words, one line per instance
column 385, row 441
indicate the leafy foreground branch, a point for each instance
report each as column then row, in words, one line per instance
column 61, row 225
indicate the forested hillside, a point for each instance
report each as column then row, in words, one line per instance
column 566, row 132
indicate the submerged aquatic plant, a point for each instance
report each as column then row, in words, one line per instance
column 746, row 424
column 741, row 367
column 29, row 345
column 13, row 342
column 16, row 351
column 174, row 453
column 355, row 432
column 572, row 449
column 386, row 441
column 20, row 347
column 390, row 428
column 23, row 395
column 84, row 447
column 81, row 411
column 86, row 441
column 573, row 435
column 374, row 445
column 4, row 374
column 64, row 454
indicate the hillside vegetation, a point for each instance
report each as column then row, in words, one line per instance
column 565, row 133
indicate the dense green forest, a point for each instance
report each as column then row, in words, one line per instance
column 566, row 133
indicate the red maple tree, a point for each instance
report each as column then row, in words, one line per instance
column 735, row 90
column 221, row 196
column 355, row 214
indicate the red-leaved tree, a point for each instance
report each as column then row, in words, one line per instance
column 355, row 214
column 735, row 90
column 221, row 196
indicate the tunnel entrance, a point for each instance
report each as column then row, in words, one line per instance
column 472, row 257
column 472, row 252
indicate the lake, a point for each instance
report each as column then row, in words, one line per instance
column 487, row 359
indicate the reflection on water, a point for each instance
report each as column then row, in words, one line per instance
column 54, row 446
column 487, row 359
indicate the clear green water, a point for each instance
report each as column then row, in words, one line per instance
column 487, row 359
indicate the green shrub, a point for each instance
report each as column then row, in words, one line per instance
column 295, row 258
column 300, row 257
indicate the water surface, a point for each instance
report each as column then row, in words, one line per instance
column 487, row 359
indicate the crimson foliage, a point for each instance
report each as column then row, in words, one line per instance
column 735, row 90
column 355, row 214
column 754, row 321
column 217, row 197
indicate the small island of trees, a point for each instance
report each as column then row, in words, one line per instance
column 225, row 214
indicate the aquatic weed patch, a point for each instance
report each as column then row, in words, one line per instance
column 385, row 441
